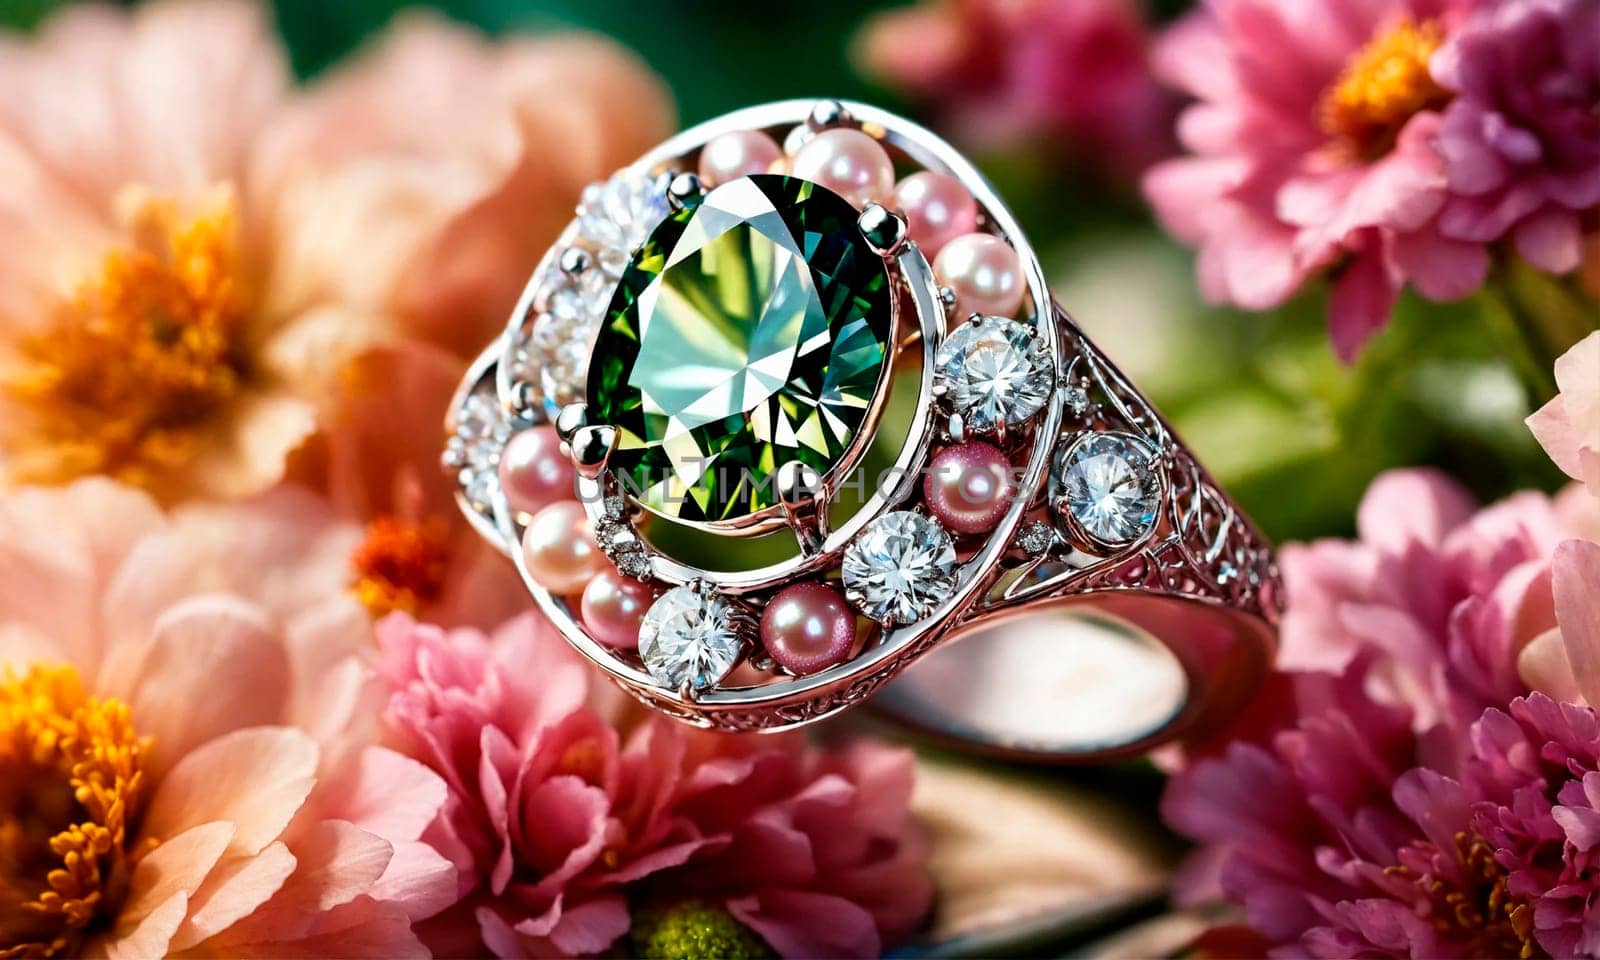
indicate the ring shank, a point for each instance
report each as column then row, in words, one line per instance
column 1084, row 678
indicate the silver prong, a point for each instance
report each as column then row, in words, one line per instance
column 524, row 399
column 958, row 428
column 885, row 231
column 1000, row 432
column 591, row 448
column 571, row 418
column 940, row 389
column 947, row 296
column 574, row 261
column 804, row 502
column 688, row 691
column 684, row 191
column 828, row 113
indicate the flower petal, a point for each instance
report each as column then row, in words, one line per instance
column 1575, row 580
column 257, row 779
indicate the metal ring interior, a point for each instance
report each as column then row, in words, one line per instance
column 933, row 153
column 1082, row 679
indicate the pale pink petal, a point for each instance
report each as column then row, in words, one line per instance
column 214, row 665
column 257, row 779
column 338, row 861
column 172, row 872
column 360, row 929
column 419, row 878
column 233, row 892
column 1418, row 505
column 1543, row 666
column 149, row 938
column 591, row 926
column 1575, row 580
column 1551, row 239
column 385, row 793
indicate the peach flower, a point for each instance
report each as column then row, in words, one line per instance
column 466, row 158
column 194, row 252
column 187, row 733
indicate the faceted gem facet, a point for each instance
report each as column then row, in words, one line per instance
column 690, row 637
column 750, row 330
column 901, row 566
column 1107, row 482
column 995, row 370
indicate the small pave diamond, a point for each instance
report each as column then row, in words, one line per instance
column 995, row 371
column 481, row 432
column 1035, row 538
column 617, row 215
column 900, row 567
column 690, row 639
column 1106, row 483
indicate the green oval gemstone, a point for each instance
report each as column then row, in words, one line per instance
column 749, row 330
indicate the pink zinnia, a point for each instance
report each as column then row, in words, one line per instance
column 1313, row 151
column 561, row 823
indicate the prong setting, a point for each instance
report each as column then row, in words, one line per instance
column 886, row 232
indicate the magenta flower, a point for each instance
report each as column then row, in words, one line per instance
column 1415, row 798
column 561, row 822
column 1521, row 138
column 996, row 71
column 1313, row 152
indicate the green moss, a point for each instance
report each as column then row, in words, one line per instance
column 693, row 930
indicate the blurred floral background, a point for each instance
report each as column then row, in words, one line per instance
column 264, row 693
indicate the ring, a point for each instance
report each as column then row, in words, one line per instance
column 788, row 408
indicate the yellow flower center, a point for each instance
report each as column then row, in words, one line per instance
column 1385, row 84
column 71, row 780
column 402, row 564
column 131, row 369
column 1481, row 912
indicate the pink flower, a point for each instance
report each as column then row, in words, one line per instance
column 1313, row 152
column 1521, row 139
column 223, row 790
column 1568, row 427
column 1069, row 70
column 560, row 822
column 1392, row 810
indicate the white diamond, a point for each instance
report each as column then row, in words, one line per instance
column 481, row 433
column 1106, row 483
column 900, row 568
column 995, row 370
column 690, row 638
column 618, row 215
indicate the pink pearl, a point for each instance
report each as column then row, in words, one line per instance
column 612, row 607
column 968, row 487
column 533, row 471
column 985, row 274
column 560, row 554
column 938, row 208
column 808, row 627
column 849, row 163
column 737, row 154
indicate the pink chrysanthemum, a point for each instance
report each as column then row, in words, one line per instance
column 1399, row 806
column 1521, row 138
column 561, row 823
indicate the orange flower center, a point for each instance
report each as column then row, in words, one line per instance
column 401, row 565
column 1385, row 84
column 71, row 779
column 129, row 371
